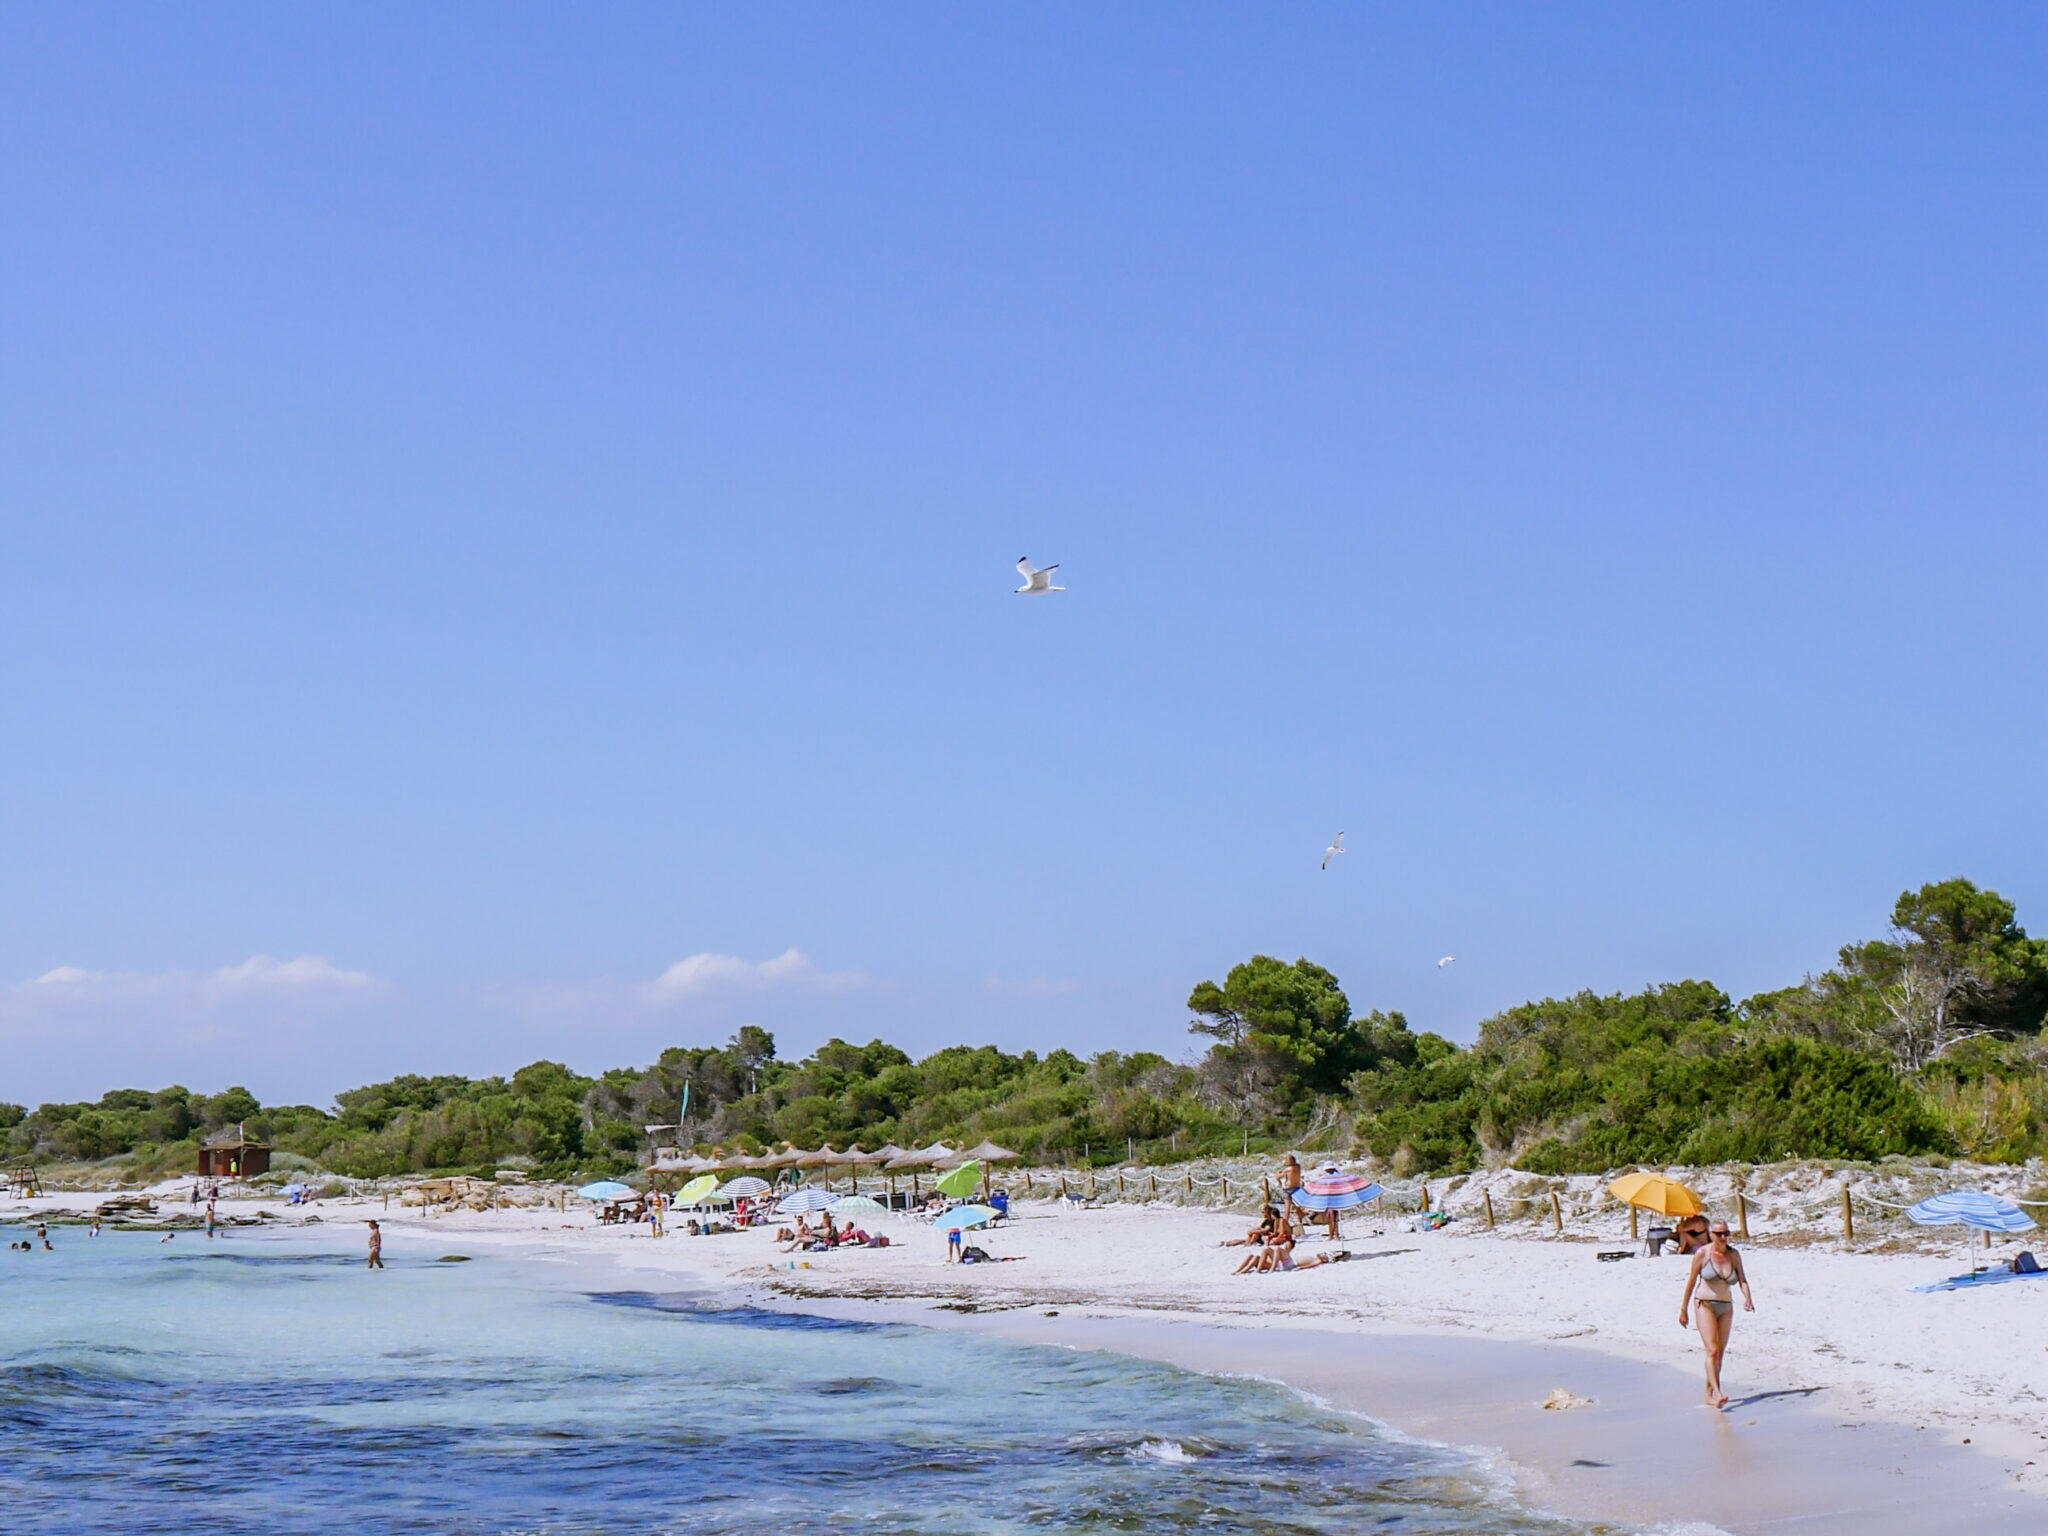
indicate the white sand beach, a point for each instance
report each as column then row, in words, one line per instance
column 1855, row 1399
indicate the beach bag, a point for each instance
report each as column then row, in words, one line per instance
column 973, row 1255
column 2026, row 1264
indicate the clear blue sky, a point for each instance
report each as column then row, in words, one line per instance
column 500, row 502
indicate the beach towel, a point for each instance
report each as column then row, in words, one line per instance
column 1982, row 1277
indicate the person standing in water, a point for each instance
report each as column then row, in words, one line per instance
column 1714, row 1269
column 209, row 1218
column 376, row 1247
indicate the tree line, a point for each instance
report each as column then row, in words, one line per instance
column 1925, row 1041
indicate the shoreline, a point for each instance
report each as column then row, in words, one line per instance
column 1452, row 1339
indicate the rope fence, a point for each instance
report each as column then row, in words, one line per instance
column 1793, row 1201
column 1831, row 1202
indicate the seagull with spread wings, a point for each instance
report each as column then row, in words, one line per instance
column 1037, row 579
column 1447, row 959
column 1336, row 847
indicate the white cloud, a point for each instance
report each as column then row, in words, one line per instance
column 700, row 976
column 73, row 986
column 306, row 971
column 64, row 976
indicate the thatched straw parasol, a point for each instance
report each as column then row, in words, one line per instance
column 924, row 1157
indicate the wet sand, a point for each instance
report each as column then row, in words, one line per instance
column 1782, row 1460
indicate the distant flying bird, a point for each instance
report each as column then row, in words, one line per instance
column 1336, row 847
column 1036, row 580
column 1447, row 959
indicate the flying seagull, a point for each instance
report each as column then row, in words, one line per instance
column 1035, row 579
column 1336, row 847
column 1447, row 959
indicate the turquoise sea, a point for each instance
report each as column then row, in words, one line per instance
column 270, row 1384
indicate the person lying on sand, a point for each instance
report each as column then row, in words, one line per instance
column 1278, row 1256
column 1283, row 1256
column 1259, row 1236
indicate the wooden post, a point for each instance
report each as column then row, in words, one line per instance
column 1424, row 1207
column 1267, row 1186
column 1488, row 1196
column 1631, row 1222
column 1557, row 1212
column 1191, row 1183
column 1091, row 1183
column 1226, row 1189
column 1027, row 1182
column 1119, row 1184
column 1742, row 1215
column 1155, row 1182
column 1063, row 1186
column 1848, row 1221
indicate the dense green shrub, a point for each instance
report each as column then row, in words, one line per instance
column 1840, row 1066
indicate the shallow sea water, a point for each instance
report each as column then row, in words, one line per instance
column 271, row 1384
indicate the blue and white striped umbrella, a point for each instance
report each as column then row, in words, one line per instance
column 1970, row 1208
column 804, row 1201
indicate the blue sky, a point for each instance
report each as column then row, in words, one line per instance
column 510, row 517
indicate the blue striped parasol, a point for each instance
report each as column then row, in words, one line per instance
column 1970, row 1208
column 804, row 1201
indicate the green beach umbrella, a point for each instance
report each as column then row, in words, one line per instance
column 959, row 1182
column 697, row 1189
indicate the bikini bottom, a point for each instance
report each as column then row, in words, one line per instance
column 1718, row 1308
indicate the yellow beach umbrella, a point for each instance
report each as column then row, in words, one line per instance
column 1654, row 1192
column 697, row 1189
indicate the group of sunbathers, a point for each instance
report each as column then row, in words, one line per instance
column 1273, row 1240
column 804, row 1239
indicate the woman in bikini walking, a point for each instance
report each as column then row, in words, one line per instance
column 1714, row 1268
